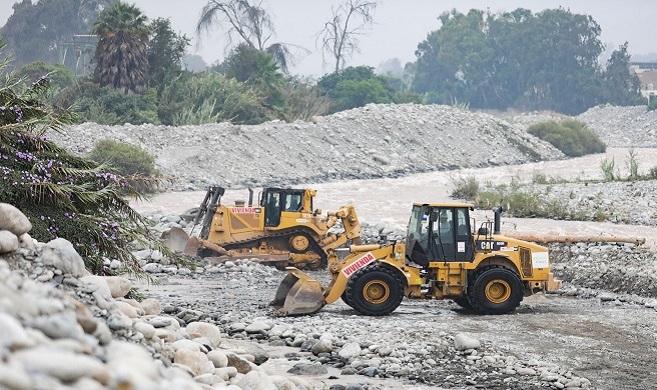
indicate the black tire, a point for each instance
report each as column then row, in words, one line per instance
column 495, row 290
column 345, row 299
column 374, row 291
column 463, row 302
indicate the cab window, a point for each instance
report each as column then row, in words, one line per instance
column 292, row 202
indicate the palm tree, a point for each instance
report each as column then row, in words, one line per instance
column 122, row 51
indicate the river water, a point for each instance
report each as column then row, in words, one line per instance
column 389, row 200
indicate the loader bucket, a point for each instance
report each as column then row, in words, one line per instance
column 175, row 239
column 298, row 294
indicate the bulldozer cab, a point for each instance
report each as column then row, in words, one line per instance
column 279, row 200
column 440, row 233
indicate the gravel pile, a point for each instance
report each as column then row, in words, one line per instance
column 621, row 272
column 623, row 126
column 369, row 142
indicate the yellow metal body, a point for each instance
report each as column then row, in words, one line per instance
column 501, row 258
column 445, row 279
column 243, row 230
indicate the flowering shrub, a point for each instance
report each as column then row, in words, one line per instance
column 62, row 195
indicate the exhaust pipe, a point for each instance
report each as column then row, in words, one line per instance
column 497, row 227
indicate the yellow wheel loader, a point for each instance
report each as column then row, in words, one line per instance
column 442, row 258
column 281, row 229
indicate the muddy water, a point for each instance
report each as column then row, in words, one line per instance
column 389, row 200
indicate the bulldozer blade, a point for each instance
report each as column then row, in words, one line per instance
column 192, row 246
column 298, row 294
column 175, row 239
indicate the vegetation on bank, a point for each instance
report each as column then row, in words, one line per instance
column 527, row 200
column 572, row 137
column 62, row 195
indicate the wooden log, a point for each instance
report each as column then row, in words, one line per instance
column 547, row 239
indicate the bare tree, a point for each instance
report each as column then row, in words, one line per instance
column 339, row 39
column 250, row 23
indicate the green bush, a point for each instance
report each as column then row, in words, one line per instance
column 210, row 98
column 129, row 160
column 109, row 106
column 58, row 75
column 572, row 137
column 465, row 188
column 607, row 167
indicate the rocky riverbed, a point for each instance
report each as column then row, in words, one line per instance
column 209, row 325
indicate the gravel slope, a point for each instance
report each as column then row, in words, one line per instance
column 373, row 141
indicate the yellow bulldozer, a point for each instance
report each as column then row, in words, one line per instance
column 281, row 229
column 443, row 257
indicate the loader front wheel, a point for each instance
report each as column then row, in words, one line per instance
column 345, row 299
column 495, row 290
column 374, row 291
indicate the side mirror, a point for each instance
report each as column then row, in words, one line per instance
column 317, row 212
column 483, row 231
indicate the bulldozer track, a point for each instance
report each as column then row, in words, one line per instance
column 282, row 237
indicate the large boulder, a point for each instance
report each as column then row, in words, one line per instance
column 60, row 254
column 119, row 286
column 8, row 241
column 13, row 220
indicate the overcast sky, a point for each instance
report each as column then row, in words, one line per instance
column 400, row 24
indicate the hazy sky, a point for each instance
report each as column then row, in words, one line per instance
column 400, row 24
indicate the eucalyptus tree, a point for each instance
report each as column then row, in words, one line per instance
column 165, row 51
column 247, row 22
column 621, row 86
column 546, row 61
column 339, row 37
column 122, row 52
column 41, row 30
column 454, row 62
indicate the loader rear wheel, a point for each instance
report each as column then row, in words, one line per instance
column 299, row 243
column 495, row 290
column 374, row 291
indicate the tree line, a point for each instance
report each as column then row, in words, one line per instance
column 512, row 60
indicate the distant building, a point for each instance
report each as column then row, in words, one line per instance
column 647, row 74
column 77, row 54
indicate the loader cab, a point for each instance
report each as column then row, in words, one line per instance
column 278, row 200
column 440, row 232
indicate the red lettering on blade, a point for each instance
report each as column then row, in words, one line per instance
column 358, row 264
